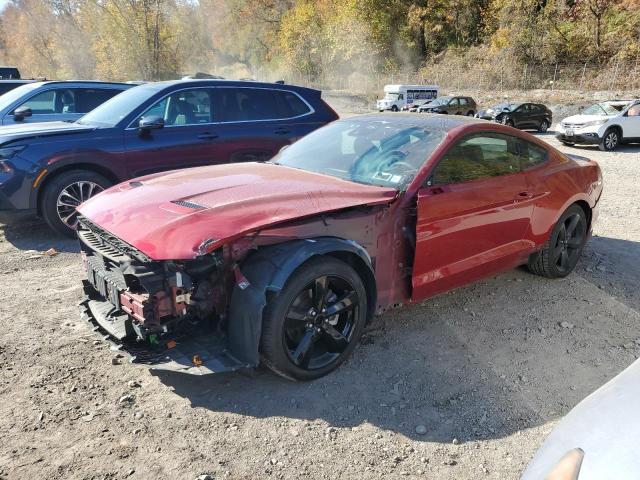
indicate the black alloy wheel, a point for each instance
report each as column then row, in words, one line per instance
column 320, row 322
column 569, row 241
column 560, row 255
column 316, row 320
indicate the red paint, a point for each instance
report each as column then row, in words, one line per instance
column 463, row 231
column 237, row 198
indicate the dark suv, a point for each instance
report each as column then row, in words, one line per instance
column 520, row 115
column 49, row 169
column 450, row 106
column 9, row 73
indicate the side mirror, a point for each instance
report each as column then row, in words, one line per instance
column 153, row 122
column 21, row 113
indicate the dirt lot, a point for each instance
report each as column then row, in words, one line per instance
column 487, row 370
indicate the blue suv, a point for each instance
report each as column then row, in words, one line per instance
column 49, row 169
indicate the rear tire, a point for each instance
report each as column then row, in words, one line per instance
column 394, row 108
column 471, row 113
column 66, row 191
column 561, row 253
column 544, row 126
column 300, row 340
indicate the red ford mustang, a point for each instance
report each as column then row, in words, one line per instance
column 218, row 268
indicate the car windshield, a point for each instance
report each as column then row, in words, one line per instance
column 505, row 106
column 440, row 101
column 603, row 109
column 112, row 111
column 371, row 152
column 12, row 95
column 391, row 96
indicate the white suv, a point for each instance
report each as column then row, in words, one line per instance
column 606, row 124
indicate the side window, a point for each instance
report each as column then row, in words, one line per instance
column 531, row 155
column 48, row 102
column 252, row 104
column 289, row 104
column 186, row 107
column 89, row 98
column 400, row 96
column 535, row 108
column 454, row 101
column 478, row 156
column 463, row 101
column 634, row 111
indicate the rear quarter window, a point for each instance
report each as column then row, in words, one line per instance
column 531, row 155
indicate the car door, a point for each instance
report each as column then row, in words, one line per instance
column 49, row 105
column 537, row 115
column 187, row 139
column 255, row 123
column 520, row 116
column 472, row 214
column 630, row 122
column 454, row 106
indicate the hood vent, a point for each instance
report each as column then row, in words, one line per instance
column 184, row 203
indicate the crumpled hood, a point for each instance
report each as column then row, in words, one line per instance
column 184, row 213
column 9, row 133
column 581, row 119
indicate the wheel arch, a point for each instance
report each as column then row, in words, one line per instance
column 87, row 166
column 264, row 273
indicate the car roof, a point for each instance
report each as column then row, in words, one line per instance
column 229, row 83
column 83, row 82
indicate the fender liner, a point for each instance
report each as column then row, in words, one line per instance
column 266, row 271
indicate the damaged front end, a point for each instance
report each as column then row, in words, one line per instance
column 168, row 315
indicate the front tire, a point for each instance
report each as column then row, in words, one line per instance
column 561, row 253
column 394, row 108
column 610, row 140
column 64, row 193
column 316, row 320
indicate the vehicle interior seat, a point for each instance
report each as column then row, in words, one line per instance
column 67, row 102
column 462, row 163
column 181, row 112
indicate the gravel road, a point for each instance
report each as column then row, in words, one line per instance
column 465, row 385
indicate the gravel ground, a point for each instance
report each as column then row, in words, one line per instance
column 465, row 385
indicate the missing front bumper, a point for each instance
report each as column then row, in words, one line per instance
column 198, row 352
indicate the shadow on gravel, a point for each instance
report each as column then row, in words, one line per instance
column 411, row 368
column 614, row 266
column 35, row 235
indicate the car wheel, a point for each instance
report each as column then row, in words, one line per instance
column 316, row 320
column 471, row 113
column 544, row 126
column 508, row 122
column 567, row 144
column 610, row 140
column 394, row 108
column 64, row 193
column 560, row 254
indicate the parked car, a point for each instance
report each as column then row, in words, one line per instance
column 520, row 115
column 598, row 438
column 9, row 73
column 49, row 169
column 288, row 260
column 450, row 106
column 55, row 101
column 606, row 124
column 8, row 85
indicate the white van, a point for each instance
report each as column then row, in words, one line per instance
column 398, row 96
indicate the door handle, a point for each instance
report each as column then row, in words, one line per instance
column 208, row 136
column 281, row 131
column 524, row 195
